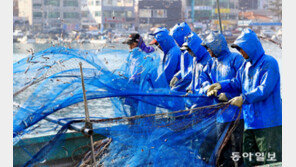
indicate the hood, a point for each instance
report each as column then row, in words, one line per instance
column 193, row 42
column 179, row 32
column 165, row 41
column 217, row 43
column 250, row 43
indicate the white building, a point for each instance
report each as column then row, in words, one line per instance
column 107, row 14
column 51, row 14
column 91, row 13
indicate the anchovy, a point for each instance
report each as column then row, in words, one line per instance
column 46, row 58
column 27, row 69
column 25, row 123
column 34, row 62
column 32, row 57
column 44, row 67
column 106, row 61
column 122, row 75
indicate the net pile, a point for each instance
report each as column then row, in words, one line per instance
column 146, row 123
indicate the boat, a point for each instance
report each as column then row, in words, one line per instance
column 98, row 41
column 70, row 153
column 27, row 39
column 17, row 34
column 73, row 150
column 41, row 40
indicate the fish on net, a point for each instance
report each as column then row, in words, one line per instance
column 150, row 125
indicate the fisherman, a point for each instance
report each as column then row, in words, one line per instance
column 133, row 68
column 171, row 58
column 259, row 83
column 182, row 79
column 192, row 46
column 224, row 65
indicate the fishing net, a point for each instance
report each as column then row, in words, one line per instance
column 137, row 120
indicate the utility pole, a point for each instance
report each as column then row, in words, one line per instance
column 218, row 7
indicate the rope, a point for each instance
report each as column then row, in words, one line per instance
column 219, row 105
column 230, row 130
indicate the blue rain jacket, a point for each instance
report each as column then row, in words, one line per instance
column 202, row 57
column 185, row 74
column 179, row 32
column 133, row 70
column 171, row 58
column 200, row 60
column 259, row 82
column 134, row 65
column 224, row 66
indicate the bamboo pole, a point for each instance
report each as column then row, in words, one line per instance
column 87, row 120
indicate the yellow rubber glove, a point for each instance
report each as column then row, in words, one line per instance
column 174, row 80
column 213, row 89
column 222, row 97
column 237, row 101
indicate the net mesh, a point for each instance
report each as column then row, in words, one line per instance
column 143, row 122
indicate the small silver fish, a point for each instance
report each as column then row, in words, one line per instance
column 106, row 61
column 34, row 62
column 27, row 69
column 46, row 58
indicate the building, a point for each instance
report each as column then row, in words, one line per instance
column 204, row 12
column 198, row 10
column 19, row 23
column 91, row 14
column 44, row 15
column 258, row 11
column 15, row 8
column 118, row 14
column 248, row 4
column 159, row 13
column 105, row 14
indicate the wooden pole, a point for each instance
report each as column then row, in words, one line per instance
column 87, row 120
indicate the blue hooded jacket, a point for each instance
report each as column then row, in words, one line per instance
column 172, row 53
column 224, row 66
column 134, row 65
column 179, row 32
column 259, row 82
column 137, row 69
column 202, row 57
